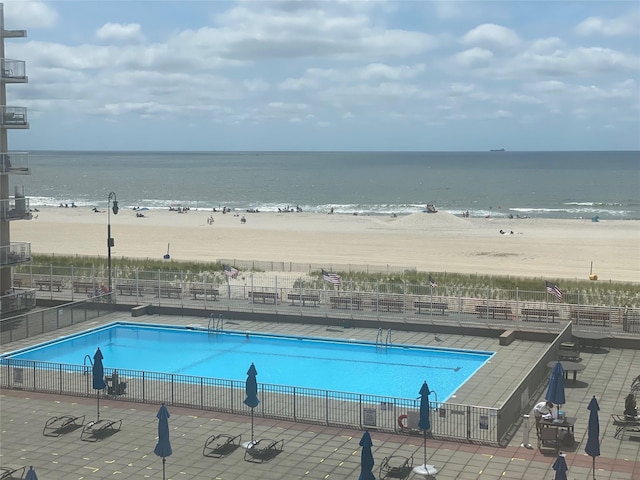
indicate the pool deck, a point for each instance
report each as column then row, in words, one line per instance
column 319, row 452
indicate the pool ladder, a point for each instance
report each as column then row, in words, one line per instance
column 215, row 324
column 383, row 342
column 84, row 361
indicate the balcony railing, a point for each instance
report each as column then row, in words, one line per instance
column 13, row 71
column 15, row 254
column 15, row 163
column 18, row 300
column 15, row 208
column 14, row 117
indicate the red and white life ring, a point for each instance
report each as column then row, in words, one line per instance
column 401, row 424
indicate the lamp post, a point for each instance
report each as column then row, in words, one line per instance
column 110, row 243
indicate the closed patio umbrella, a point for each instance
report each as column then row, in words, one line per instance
column 366, row 458
column 425, row 424
column 163, row 447
column 98, row 376
column 560, row 466
column 31, row 474
column 555, row 391
column 593, row 433
column 251, row 389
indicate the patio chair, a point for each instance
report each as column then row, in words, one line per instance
column 396, row 466
column 635, row 385
column 94, row 431
column 11, row 471
column 218, row 446
column 263, row 450
column 624, row 424
column 56, row 426
column 548, row 439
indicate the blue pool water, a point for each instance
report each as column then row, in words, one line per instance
column 347, row 366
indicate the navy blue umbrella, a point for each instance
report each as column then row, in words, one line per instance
column 163, row 447
column 560, row 466
column 31, row 474
column 425, row 424
column 366, row 459
column 555, row 391
column 593, row 433
column 98, row 376
column 251, row 389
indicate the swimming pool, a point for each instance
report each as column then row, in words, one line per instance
column 320, row 363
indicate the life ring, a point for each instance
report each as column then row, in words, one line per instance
column 401, row 423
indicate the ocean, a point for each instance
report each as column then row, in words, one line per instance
column 531, row 184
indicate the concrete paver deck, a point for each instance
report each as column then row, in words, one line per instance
column 312, row 451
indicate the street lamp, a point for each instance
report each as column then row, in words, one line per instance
column 110, row 243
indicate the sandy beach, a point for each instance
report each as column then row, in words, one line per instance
column 437, row 242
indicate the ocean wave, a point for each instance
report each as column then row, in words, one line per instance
column 566, row 210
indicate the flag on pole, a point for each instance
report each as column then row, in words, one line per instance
column 554, row 290
column 229, row 271
column 331, row 277
column 432, row 282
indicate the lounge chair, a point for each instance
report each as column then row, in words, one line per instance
column 11, row 471
column 263, row 450
column 396, row 466
column 57, row 426
column 94, row 431
column 623, row 424
column 218, row 446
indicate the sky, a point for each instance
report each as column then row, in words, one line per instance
column 342, row 75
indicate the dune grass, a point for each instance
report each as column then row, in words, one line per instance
column 599, row 292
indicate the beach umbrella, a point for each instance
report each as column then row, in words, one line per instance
column 251, row 389
column 555, row 391
column 31, row 474
column 560, row 466
column 593, row 433
column 163, row 447
column 366, row 458
column 425, row 424
column 98, row 376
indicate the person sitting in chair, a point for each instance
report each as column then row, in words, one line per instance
column 630, row 408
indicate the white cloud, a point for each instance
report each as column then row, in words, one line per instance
column 627, row 25
column 129, row 33
column 491, row 36
column 20, row 15
column 474, row 57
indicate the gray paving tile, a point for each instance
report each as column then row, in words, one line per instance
column 313, row 451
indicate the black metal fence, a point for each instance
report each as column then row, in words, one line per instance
column 306, row 405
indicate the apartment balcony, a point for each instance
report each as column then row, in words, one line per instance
column 15, row 254
column 13, row 117
column 15, row 208
column 14, row 33
column 13, row 71
column 16, row 163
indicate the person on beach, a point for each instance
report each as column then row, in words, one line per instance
column 539, row 411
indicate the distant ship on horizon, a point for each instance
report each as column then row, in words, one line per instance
column 497, row 150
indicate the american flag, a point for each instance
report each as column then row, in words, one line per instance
column 553, row 289
column 432, row 282
column 331, row 277
column 229, row 271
